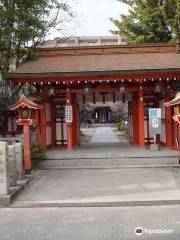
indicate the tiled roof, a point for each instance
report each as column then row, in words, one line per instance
column 25, row 102
column 100, row 63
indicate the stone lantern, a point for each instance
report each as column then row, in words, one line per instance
column 26, row 109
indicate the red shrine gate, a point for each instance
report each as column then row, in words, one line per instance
column 68, row 76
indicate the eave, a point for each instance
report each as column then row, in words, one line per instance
column 141, row 73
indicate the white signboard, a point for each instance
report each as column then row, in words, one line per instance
column 155, row 123
column 68, row 114
column 155, row 120
column 154, row 113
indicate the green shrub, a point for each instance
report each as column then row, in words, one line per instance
column 120, row 126
column 37, row 152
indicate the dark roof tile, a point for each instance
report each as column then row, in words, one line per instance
column 109, row 62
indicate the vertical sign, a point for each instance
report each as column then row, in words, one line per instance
column 155, row 120
column 68, row 114
column 154, row 113
column 155, row 123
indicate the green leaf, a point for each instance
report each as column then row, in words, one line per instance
column 149, row 21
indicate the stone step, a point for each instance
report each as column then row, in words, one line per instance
column 108, row 153
column 123, row 203
column 97, row 125
column 108, row 163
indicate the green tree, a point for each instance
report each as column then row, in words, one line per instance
column 149, row 21
column 172, row 15
column 24, row 24
column 86, row 113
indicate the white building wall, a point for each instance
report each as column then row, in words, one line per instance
column 58, row 132
column 145, row 129
column 48, row 135
column 65, row 131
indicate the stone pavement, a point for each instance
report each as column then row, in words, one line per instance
column 90, row 223
column 101, row 153
column 101, row 187
column 103, row 143
column 108, row 163
column 104, row 135
column 107, row 150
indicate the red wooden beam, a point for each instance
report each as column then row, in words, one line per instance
column 104, row 89
column 43, row 125
column 168, row 123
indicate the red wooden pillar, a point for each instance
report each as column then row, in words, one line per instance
column 75, row 120
column 135, row 119
column 37, row 126
column 168, row 123
column 78, row 125
column 62, row 131
column 157, row 105
column 69, row 125
column 141, row 116
column 27, row 144
column 43, row 125
column 53, row 124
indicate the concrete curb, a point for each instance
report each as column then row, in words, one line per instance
column 6, row 200
column 87, row 157
column 110, row 167
column 49, row 204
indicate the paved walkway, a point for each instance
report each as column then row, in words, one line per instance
column 107, row 150
column 103, row 143
column 80, row 187
column 104, row 135
column 101, row 186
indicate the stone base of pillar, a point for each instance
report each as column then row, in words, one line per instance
column 155, row 147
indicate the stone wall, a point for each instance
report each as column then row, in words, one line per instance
column 11, row 166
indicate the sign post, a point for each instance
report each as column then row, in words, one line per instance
column 155, row 126
column 68, row 114
column 69, row 121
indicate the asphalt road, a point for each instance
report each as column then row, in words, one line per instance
column 158, row 223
